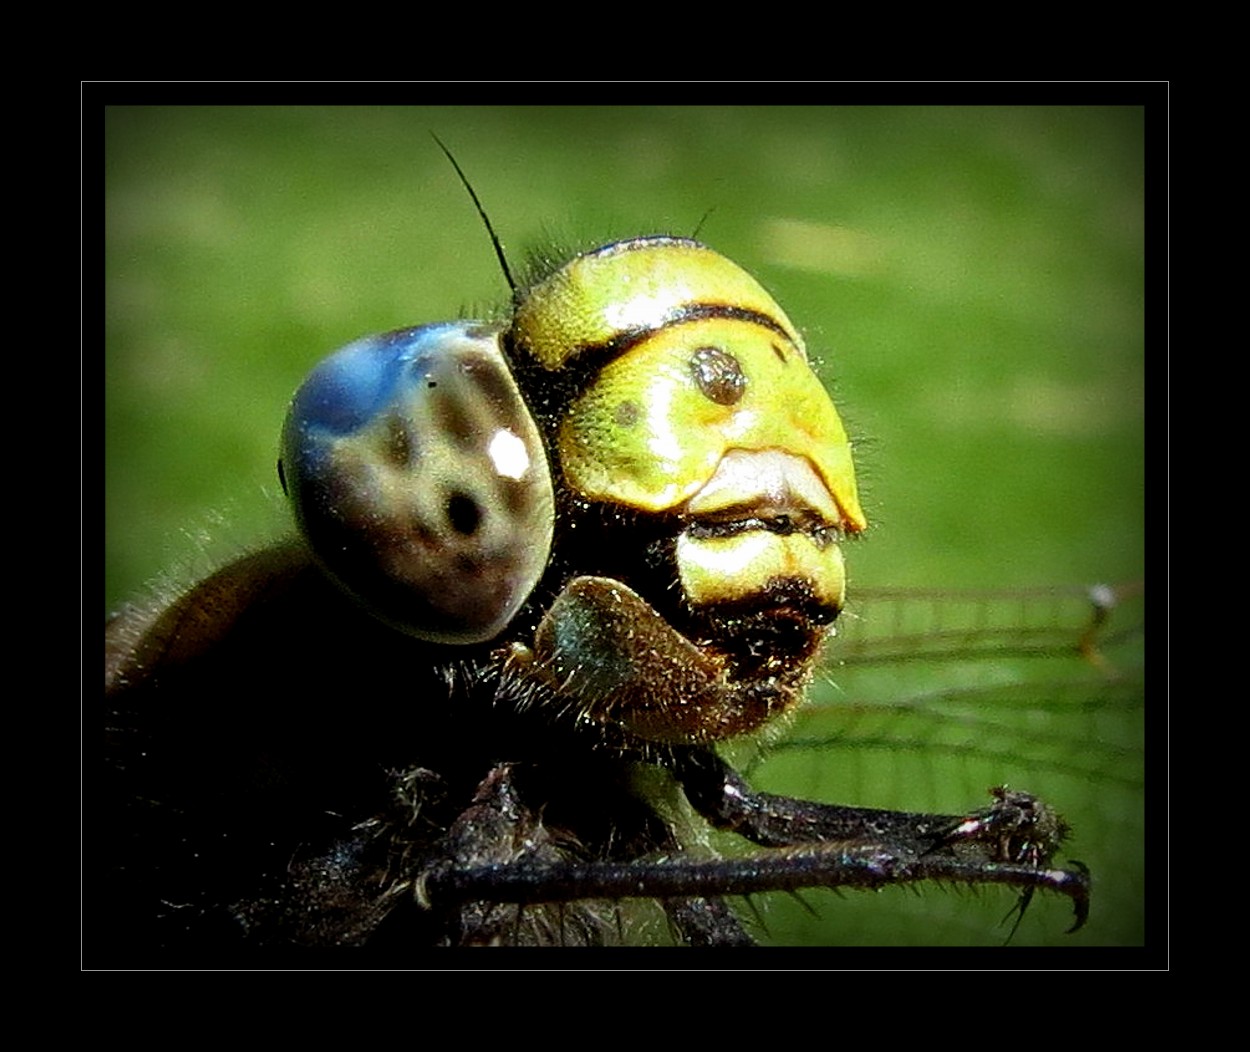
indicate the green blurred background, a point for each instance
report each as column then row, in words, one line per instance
column 970, row 279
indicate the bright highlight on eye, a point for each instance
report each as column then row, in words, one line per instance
column 509, row 455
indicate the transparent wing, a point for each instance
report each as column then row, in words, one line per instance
column 931, row 697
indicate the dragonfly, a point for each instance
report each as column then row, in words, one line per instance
column 545, row 567
column 810, row 745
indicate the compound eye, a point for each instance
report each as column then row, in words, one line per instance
column 420, row 480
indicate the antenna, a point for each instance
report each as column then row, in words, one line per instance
column 699, row 226
column 494, row 238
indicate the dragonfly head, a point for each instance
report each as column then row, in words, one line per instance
column 648, row 417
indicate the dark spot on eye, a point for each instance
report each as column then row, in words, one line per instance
column 781, row 355
column 455, row 420
column 627, row 414
column 463, row 514
column 492, row 388
column 398, row 445
column 282, row 478
column 718, row 375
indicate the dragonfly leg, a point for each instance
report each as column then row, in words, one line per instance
column 829, row 847
column 723, row 797
column 1012, row 841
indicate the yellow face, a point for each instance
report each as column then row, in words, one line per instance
column 709, row 410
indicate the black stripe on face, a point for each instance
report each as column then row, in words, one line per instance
column 689, row 312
